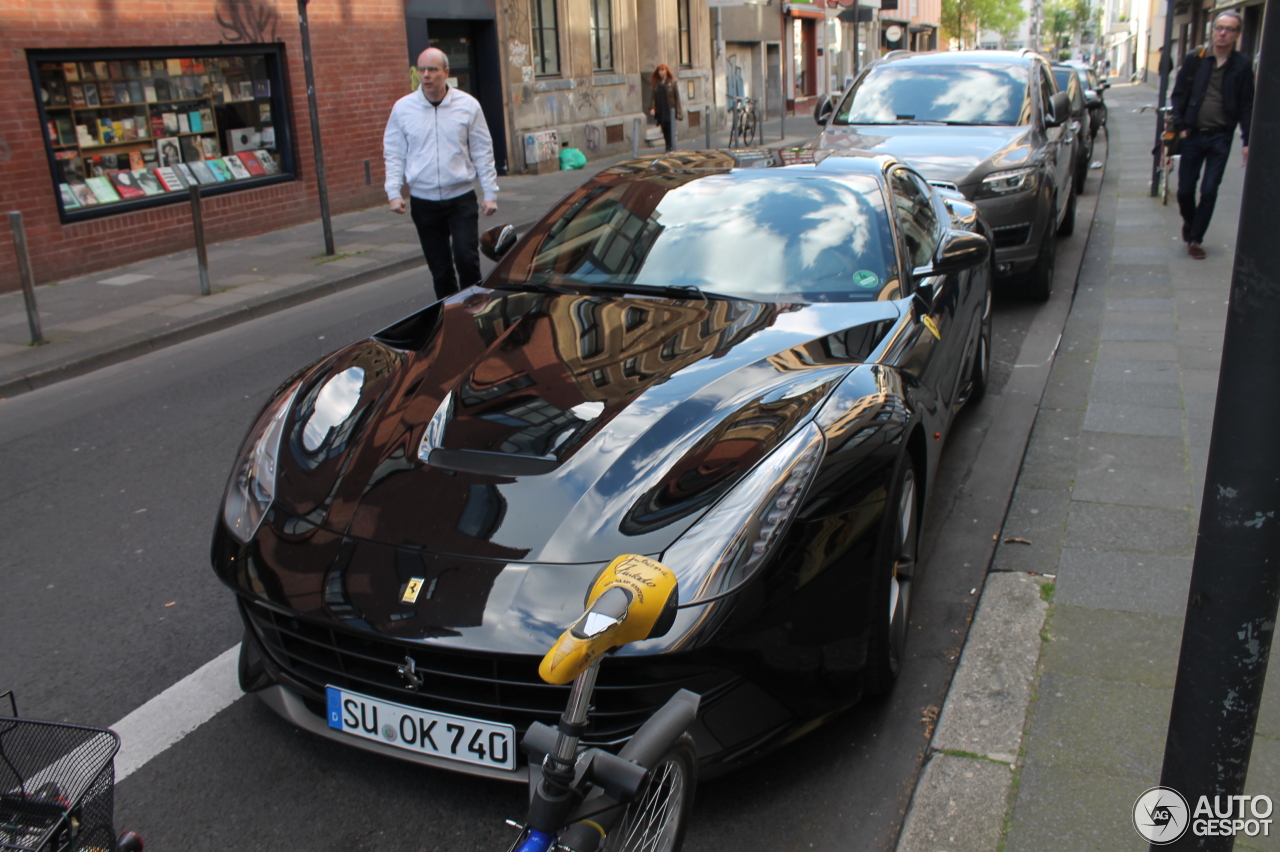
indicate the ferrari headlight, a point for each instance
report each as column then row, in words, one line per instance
column 1013, row 180
column 253, row 479
column 733, row 540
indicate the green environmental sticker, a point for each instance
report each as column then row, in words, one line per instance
column 866, row 278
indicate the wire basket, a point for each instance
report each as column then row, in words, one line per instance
column 57, row 783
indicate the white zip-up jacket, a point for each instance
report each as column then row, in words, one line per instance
column 438, row 150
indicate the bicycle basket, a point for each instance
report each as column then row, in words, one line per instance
column 57, row 783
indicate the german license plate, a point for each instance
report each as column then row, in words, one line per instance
column 422, row 731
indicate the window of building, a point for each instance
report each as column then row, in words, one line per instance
column 546, row 38
column 686, row 43
column 602, row 35
column 131, row 128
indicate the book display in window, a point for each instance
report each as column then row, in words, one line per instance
column 126, row 129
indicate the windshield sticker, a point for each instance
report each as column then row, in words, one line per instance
column 866, row 278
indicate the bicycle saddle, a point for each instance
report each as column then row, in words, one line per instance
column 634, row 599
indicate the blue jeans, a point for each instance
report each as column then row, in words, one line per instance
column 1209, row 150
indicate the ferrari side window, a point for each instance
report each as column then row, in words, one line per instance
column 916, row 218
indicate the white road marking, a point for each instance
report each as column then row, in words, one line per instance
column 176, row 712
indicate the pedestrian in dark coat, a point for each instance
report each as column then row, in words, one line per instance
column 666, row 100
column 1211, row 96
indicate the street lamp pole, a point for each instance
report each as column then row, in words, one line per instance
column 322, row 185
column 1166, row 63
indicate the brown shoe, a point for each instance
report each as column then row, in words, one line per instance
column 1197, row 251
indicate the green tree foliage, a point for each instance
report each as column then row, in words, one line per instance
column 1064, row 20
column 965, row 19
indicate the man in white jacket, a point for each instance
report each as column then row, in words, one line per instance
column 437, row 142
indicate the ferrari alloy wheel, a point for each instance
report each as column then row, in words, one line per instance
column 657, row 819
column 892, row 600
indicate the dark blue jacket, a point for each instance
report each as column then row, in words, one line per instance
column 1193, row 81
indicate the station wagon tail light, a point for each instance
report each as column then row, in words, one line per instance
column 253, row 479
column 1013, row 180
column 735, row 538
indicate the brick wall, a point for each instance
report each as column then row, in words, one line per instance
column 358, row 54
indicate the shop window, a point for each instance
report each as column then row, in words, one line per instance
column 602, row 35
column 546, row 38
column 132, row 128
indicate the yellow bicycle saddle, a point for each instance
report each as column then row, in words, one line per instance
column 635, row 598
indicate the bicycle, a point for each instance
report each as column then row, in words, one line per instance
column 1166, row 150
column 57, row 783
column 583, row 800
column 742, row 132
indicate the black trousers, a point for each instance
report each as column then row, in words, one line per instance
column 1207, row 150
column 449, row 231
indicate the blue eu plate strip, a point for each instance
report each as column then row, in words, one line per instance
column 335, row 707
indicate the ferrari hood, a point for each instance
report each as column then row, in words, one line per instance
column 951, row 153
column 556, row 429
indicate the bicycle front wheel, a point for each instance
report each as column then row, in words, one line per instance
column 657, row 819
column 749, row 129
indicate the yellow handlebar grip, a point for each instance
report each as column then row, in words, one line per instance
column 626, row 602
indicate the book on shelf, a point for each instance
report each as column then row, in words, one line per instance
column 243, row 139
column 55, row 92
column 150, row 159
column 262, row 88
column 184, row 172
column 184, row 123
column 66, row 131
column 130, row 68
column 106, row 133
column 228, row 95
column 249, row 160
column 264, row 112
column 77, row 95
column 91, row 95
column 197, row 66
column 173, row 67
column 238, row 171
column 169, row 151
column 210, row 147
column 169, row 179
column 246, row 90
column 195, row 122
column 70, row 166
column 71, row 72
column 103, row 189
column 113, row 69
column 149, row 91
column 84, row 195
column 82, row 135
column 110, row 161
column 136, row 94
column 135, row 160
column 86, row 71
column 191, row 87
column 100, row 71
column 170, row 122
column 200, row 171
column 187, row 65
column 268, row 137
column 157, row 125
column 269, row 164
column 106, row 93
column 120, row 91
column 127, row 185
column 191, row 148
column 69, row 200
column 159, row 66
column 147, row 180
column 206, row 118
column 163, row 92
column 219, row 169
column 130, row 129
column 117, row 127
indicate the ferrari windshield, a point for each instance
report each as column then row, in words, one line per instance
column 964, row 93
column 760, row 235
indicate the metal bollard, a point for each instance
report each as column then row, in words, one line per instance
column 28, row 277
column 706, row 120
column 635, row 137
column 197, row 222
column 783, row 124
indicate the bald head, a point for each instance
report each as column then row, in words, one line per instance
column 433, row 71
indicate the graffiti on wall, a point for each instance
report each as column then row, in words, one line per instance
column 246, row 21
column 592, row 140
column 517, row 52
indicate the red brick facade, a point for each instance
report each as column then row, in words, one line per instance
column 358, row 56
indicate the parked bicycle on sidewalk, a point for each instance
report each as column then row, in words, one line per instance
column 745, row 122
column 1166, row 151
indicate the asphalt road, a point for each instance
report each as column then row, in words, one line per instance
column 111, row 483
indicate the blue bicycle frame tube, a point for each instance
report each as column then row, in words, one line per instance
column 537, row 841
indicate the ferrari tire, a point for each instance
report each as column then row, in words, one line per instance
column 658, row 818
column 895, row 575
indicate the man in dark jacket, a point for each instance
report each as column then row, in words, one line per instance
column 1213, row 93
